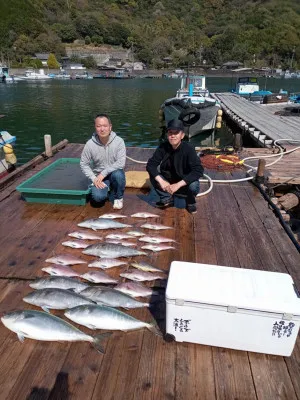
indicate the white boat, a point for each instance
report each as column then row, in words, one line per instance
column 193, row 105
column 246, row 85
column 32, row 75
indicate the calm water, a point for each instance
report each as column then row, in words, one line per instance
column 65, row 109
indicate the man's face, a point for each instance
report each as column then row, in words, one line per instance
column 102, row 127
column 175, row 137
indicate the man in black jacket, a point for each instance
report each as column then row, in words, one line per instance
column 175, row 168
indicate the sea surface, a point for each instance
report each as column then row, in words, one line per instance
column 66, row 109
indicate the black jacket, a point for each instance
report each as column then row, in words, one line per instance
column 186, row 163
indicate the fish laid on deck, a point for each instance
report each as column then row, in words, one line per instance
column 102, row 223
column 119, row 236
column 111, row 250
column 65, row 259
column 144, row 266
column 112, row 216
column 39, row 325
column 85, row 235
column 141, row 276
column 121, row 242
column 60, row 270
column 112, row 298
column 156, row 247
column 98, row 277
column 106, row 263
column 76, row 244
column 136, row 233
column 135, row 289
column 57, row 299
column 102, row 317
column 144, row 215
column 155, row 227
column 58, row 282
column 155, row 239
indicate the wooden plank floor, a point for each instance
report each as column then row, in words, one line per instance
column 233, row 227
column 285, row 170
column 261, row 117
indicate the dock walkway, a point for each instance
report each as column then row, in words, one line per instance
column 259, row 119
column 234, row 226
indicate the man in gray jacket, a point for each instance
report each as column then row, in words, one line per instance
column 103, row 161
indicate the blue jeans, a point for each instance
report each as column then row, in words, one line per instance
column 115, row 182
column 189, row 191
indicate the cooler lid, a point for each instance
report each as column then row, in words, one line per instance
column 237, row 287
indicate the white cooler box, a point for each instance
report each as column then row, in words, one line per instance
column 237, row 308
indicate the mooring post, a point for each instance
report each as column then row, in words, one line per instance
column 260, row 171
column 48, row 145
column 237, row 141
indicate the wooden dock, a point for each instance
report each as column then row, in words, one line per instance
column 234, row 226
column 259, row 120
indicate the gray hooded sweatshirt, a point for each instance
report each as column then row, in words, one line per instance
column 97, row 158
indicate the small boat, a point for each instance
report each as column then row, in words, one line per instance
column 32, row 75
column 246, row 85
column 193, row 105
column 5, row 77
column 85, row 75
column 8, row 159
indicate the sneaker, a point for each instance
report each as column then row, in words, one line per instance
column 192, row 208
column 165, row 204
column 118, row 204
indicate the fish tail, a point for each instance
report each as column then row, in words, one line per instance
column 154, row 328
column 97, row 342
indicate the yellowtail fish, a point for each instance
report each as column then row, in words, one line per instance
column 39, row 325
column 144, row 266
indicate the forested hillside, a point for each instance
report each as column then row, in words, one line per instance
column 261, row 32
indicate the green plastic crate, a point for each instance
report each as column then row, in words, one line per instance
column 60, row 183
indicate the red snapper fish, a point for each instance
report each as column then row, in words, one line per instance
column 144, row 215
column 85, row 235
column 141, row 276
column 60, row 270
column 156, row 247
column 65, row 259
column 155, row 239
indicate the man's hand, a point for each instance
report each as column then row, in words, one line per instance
column 162, row 183
column 98, row 182
column 175, row 186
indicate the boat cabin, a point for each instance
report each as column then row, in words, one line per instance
column 246, row 85
column 192, row 85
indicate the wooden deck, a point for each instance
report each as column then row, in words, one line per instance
column 259, row 120
column 234, row 226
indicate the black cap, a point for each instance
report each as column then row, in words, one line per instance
column 176, row 125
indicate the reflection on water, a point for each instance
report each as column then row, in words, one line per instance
column 66, row 109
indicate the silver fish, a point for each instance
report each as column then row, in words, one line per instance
column 65, row 259
column 76, row 244
column 102, row 223
column 155, row 239
column 144, row 215
column 140, row 276
column 38, row 325
column 155, row 227
column 112, row 216
column 136, row 233
column 135, row 289
column 102, row 317
column 111, row 250
column 60, row 270
column 57, row 299
column 122, row 242
column 85, row 235
column 118, row 236
column 112, row 298
column 98, row 277
column 157, row 247
column 59, row 282
column 105, row 263
column 144, row 266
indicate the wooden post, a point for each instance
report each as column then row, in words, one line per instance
column 237, row 141
column 260, row 170
column 48, row 145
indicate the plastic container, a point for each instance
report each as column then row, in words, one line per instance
column 60, row 183
column 232, row 307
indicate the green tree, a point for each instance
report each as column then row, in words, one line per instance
column 52, row 61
